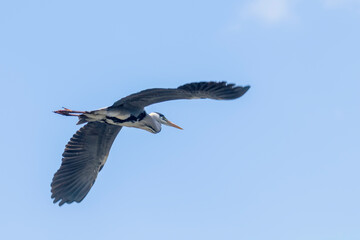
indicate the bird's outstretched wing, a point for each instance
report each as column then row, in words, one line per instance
column 84, row 156
column 212, row 90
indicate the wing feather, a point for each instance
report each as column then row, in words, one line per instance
column 211, row 90
column 83, row 158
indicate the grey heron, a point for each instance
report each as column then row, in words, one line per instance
column 88, row 149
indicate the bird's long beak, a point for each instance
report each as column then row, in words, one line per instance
column 171, row 124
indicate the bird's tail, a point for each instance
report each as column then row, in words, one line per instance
column 82, row 119
column 67, row 112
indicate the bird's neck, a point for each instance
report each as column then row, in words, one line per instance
column 151, row 123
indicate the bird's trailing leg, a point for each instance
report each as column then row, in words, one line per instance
column 68, row 112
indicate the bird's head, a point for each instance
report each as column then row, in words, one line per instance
column 163, row 120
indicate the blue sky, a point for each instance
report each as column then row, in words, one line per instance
column 282, row 162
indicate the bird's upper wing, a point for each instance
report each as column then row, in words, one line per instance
column 212, row 90
column 84, row 156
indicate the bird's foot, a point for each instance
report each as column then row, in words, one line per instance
column 68, row 112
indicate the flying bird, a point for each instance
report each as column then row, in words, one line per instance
column 88, row 149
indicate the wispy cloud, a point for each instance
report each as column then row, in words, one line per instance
column 277, row 12
column 268, row 11
column 340, row 3
column 265, row 12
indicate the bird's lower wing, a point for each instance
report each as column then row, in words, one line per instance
column 84, row 156
column 211, row 90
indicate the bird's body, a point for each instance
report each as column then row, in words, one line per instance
column 119, row 117
column 87, row 151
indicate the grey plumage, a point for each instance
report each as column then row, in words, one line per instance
column 212, row 90
column 87, row 151
column 84, row 156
